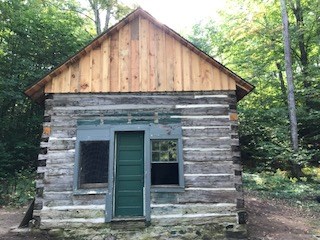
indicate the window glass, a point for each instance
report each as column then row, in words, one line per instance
column 94, row 158
column 164, row 163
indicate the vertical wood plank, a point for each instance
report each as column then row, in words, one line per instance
column 216, row 79
column 195, row 65
column 64, row 81
column 114, row 63
column 95, row 69
column 211, row 77
column 144, row 55
column 85, row 82
column 224, row 81
column 152, row 58
column 170, row 63
column 48, row 87
column 134, row 56
column 177, row 66
column 160, row 60
column 186, row 65
column 75, row 77
column 205, row 75
column 232, row 84
column 68, row 79
column 57, row 83
column 54, row 83
column 124, row 58
column 105, row 65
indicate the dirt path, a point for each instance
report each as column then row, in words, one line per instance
column 268, row 220
column 275, row 220
column 11, row 218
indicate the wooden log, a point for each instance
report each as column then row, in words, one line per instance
column 206, row 143
column 63, row 132
column 62, row 144
column 203, row 219
column 90, row 99
column 225, row 181
column 62, row 171
column 207, row 196
column 74, row 223
column 208, row 167
column 193, row 208
column 205, row 130
column 94, row 199
column 72, row 213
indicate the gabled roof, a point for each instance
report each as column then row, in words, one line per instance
column 37, row 91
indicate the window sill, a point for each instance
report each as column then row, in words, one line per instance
column 89, row 191
column 167, row 188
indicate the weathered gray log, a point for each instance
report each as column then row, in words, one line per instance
column 224, row 181
column 164, row 209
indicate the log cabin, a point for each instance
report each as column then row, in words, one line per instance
column 140, row 138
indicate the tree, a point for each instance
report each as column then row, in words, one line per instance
column 35, row 37
column 112, row 8
column 249, row 41
column 288, row 64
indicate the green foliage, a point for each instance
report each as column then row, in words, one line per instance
column 18, row 190
column 248, row 40
column 280, row 185
column 35, row 36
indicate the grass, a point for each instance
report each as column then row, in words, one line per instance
column 279, row 185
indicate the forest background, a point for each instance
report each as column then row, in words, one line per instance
column 37, row 35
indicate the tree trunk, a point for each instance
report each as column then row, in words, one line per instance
column 95, row 8
column 282, row 85
column 288, row 64
column 298, row 13
column 108, row 15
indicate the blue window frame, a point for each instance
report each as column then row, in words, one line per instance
column 92, row 159
column 95, row 152
column 167, row 174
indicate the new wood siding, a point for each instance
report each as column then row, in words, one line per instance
column 212, row 169
column 140, row 57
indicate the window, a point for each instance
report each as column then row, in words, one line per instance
column 94, row 158
column 164, row 162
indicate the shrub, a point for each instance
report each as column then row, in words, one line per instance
column 280, row 185
column 18, row 190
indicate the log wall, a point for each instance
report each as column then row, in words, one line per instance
column 212, row 170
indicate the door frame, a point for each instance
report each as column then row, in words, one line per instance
column 109, row 215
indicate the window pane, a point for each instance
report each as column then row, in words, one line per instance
column 165, row 166
column 94, row 158
column 155, row 156
column 164, row 145
column 164, row 174
column 166, row 151
column 156, row 145
column 164, row 156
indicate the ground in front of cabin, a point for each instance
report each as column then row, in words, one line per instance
column 268, row 220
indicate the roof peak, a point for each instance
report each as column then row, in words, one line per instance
column 36, row 90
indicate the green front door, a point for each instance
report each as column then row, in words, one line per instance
column 129, row 179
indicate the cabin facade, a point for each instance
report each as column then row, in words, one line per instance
column 140, row 132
